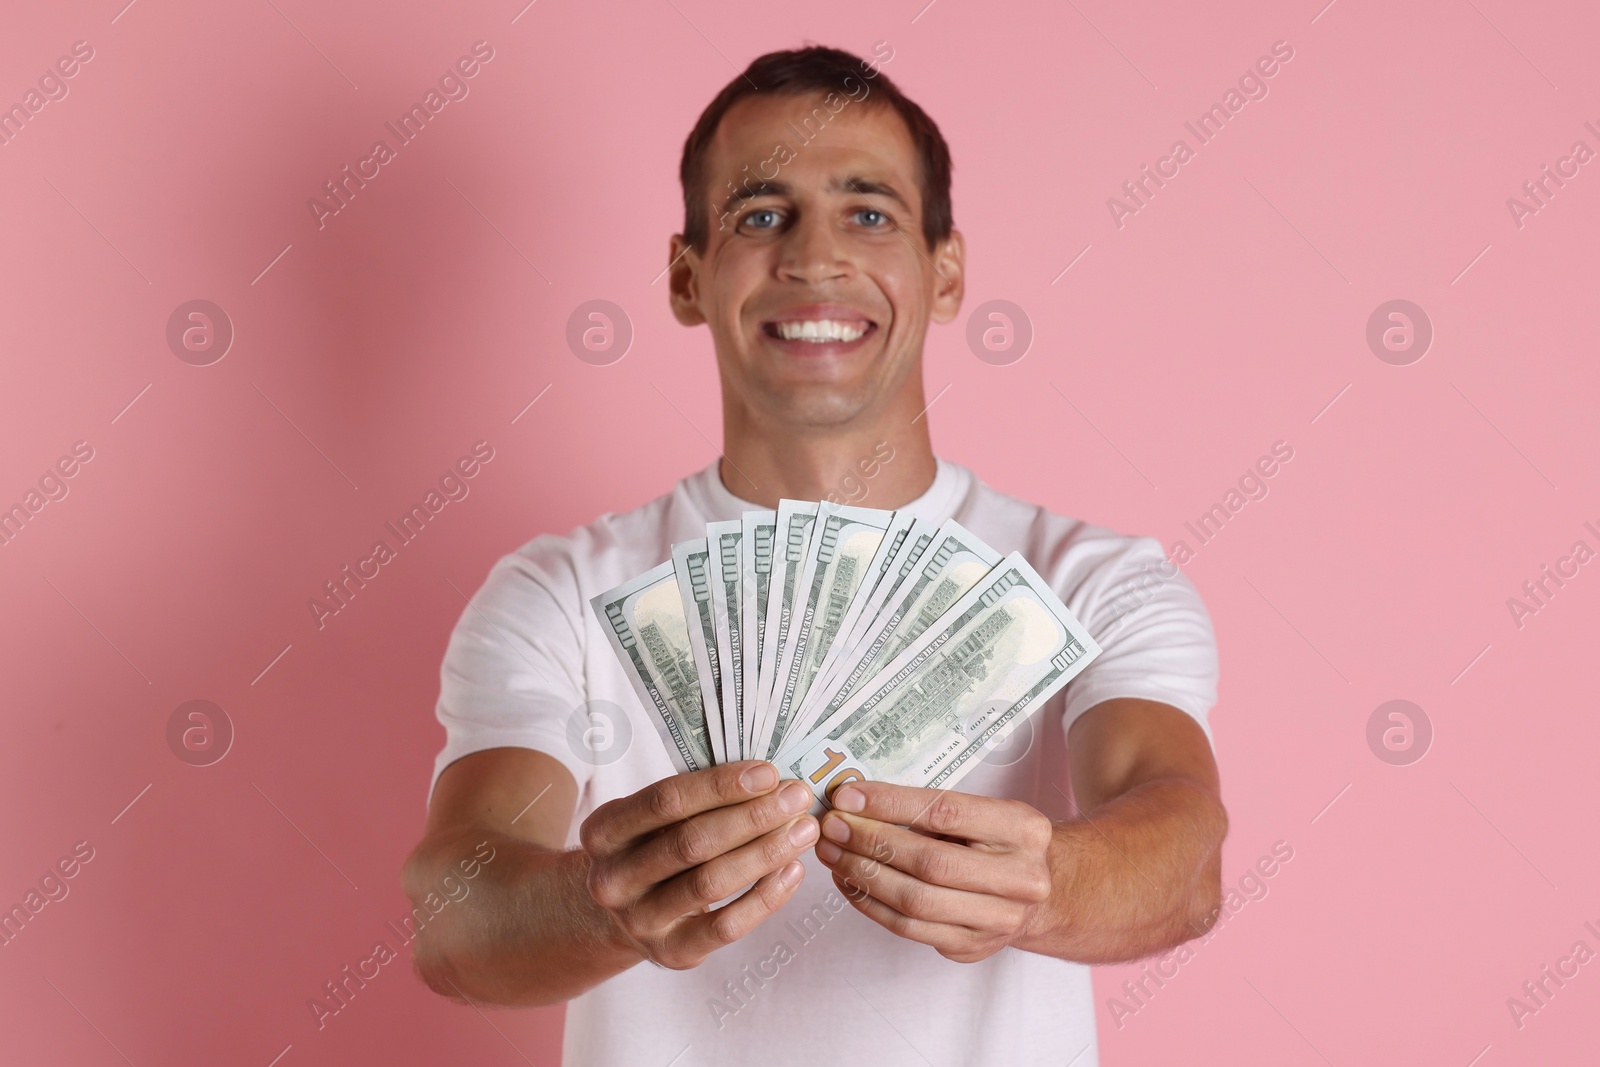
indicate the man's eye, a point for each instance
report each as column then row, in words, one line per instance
column 873, row 218
column 762, row 219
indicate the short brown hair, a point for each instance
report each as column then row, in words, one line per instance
column 796, row 73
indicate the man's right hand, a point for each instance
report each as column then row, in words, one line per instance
column 659, row 858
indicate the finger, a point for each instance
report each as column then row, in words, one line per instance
column 941, row 936
column 935, row 861
column 941, row 811
column 916, row 899
column 618, row 823
column 710, row 834
column 702, row 886
column 700, row 936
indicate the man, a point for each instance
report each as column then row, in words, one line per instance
column 912, row 926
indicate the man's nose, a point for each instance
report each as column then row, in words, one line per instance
column 813, row 253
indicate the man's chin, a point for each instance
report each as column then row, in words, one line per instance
column 810, row 405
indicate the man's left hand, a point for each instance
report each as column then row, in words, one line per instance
column 967, row 877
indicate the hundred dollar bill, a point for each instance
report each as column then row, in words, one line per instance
column 644, row 621
column 900, row 551
column 693, row 573
column 755, row 578
column 790, row 538
column 953, row 563
column 724, row 539
column 843, row 543
column 880, row 575
column 991, row 660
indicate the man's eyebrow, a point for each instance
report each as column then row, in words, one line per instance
column 869, row 187
column 850, row 183
column 752, row 190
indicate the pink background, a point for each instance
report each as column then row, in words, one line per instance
column 1224, row 316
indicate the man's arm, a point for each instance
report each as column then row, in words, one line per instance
column 1140, row 867
column 1137, row 871
column 529, row 902
column 543, row 923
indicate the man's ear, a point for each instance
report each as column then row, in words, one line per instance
column 683, row 281
column 950, row 277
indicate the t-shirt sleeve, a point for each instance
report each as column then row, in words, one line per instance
column 1154, row 632
column 512, row 675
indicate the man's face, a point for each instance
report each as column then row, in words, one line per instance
column 818, row 291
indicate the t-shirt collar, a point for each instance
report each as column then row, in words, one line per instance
column 937, row 503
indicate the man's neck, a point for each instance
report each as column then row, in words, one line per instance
column 885, row 465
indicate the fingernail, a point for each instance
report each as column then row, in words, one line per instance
column 792, row 873
column 794, row 797
column 850, row 799
column 803, row 832
column 836, row 829
column 829, row 852
column 760, row 778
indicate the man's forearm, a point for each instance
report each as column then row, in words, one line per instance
column 1135, row 876
column 528, row 933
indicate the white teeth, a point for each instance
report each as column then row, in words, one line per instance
column 819, row 331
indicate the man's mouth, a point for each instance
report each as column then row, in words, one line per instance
column 820, row 330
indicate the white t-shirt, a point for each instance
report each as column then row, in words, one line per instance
column 818, row 982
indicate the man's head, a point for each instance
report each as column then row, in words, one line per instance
column 817, row 239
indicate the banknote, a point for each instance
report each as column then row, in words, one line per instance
column 644, row 621
column 693, row 573
column 790, row 539
column 902, row 547
column 722, row 561
column 755, row 579
column 843, row 543
column 953, row 563
column 927, row 719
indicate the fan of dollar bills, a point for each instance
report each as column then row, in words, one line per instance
column 841, row 643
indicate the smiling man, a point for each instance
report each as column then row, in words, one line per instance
column 912, row 926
